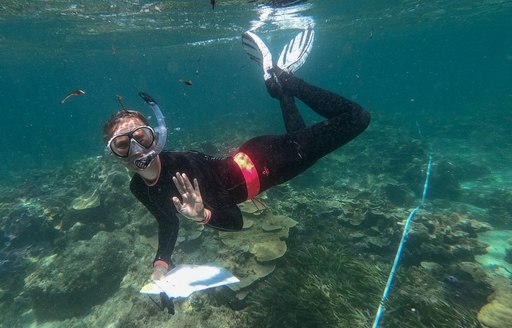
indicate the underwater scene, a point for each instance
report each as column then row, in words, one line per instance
column 407, row 225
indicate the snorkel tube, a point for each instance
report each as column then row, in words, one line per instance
column 161, row 133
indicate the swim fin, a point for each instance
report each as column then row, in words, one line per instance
column 258, row 51
column 296, row 52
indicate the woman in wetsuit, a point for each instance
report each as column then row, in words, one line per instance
column 206, row 189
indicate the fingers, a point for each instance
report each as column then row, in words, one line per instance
column 182, row 183
column 196, row 186
column 187, row 183
column 178, row 182
column 177, row 203
column 187, row 192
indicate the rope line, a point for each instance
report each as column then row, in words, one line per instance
column 380, row 310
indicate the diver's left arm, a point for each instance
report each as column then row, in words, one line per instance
column 226, row 217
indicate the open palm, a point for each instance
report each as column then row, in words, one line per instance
column 191, row 205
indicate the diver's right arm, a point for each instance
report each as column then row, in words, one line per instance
column 168, row 226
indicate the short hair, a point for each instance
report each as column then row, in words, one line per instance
column 117, row 118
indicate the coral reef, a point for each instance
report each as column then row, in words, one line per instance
column 257, row 246
column 90, row 199
column 263, row 238
column 498, row 312
column 499, row 204
column 69, row 284
column 329, row 270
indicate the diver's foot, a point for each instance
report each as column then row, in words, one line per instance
column 296, row 52
column 258, row 51
column 274, row 88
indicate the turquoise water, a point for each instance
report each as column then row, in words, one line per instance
column 439, row 72
column 443, row 61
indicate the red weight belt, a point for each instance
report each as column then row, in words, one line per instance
column 251, row 177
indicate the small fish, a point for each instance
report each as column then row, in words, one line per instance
column 72, row 94
column 187, row 82
column 213, row 4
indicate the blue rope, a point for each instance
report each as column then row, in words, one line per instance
column 380, row 310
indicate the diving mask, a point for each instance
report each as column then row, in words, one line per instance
column 138, row 145
column 132, row 143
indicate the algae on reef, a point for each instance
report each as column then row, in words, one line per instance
column 330, row 289
column 84, row 275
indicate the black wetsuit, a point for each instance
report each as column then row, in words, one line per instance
column 277, row 158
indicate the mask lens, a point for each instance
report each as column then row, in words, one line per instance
column 120, row 145
column 144, row 136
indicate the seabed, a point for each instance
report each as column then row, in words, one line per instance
column 77, row 247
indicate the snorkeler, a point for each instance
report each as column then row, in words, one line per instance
column 207, row 189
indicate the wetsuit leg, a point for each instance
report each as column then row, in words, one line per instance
column 280, row 158
column 325, row 103
column 344, row 118
column 291, row 116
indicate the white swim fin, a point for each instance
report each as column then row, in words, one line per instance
column 296, row 52
column 258, row 51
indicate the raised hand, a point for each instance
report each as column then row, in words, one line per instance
column 191, row 205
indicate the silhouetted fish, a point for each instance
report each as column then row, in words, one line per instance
column 187, row 82
column 71, row 94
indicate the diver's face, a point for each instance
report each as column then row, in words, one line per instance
column 131, row 139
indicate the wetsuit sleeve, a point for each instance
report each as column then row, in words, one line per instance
column 165, row 215
column 227, row 218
